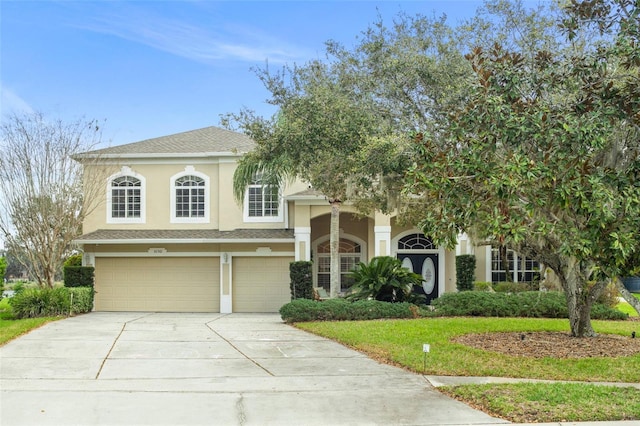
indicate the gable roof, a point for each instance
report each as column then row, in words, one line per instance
column 203, row 142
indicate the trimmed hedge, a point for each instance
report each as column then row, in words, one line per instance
column 48, row 302
column 300, row 310
column 301, row 276
column 531, row 304
column 78, row 276
column 465, row 272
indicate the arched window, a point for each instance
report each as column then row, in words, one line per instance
column 125, row 198
column 189, row 197
column 416, row 242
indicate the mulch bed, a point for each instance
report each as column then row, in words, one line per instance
column 553, row 345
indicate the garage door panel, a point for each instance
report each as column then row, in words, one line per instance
column 260, row 284
column 158, row 284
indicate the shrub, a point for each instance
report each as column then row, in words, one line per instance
column 300, row 310
column 531, row 304
column 78, row 276
column 609, row 296
column 511, row 287
column 74, row 260
column 465, row 272
column 81, row 299
column 383, row 279
column 482, row 286
column 301, row 280
column 47, row 302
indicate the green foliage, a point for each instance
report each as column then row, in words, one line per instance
column 511, row 287
column 74, row 260
column 47, row 302
column 482, row 286
column 301, row 280
column 81, row 299
column 383, row 278
column 530, row 304
column 3, row 268
column 465, row 272
column 303, row 310
column 78, row 276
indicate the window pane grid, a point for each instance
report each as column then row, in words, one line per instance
column 190, row 199
column 126, row 199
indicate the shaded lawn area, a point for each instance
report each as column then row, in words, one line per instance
column 400, row 342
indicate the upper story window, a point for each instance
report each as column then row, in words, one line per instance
column 190, row 197
column 125, row 198
column 262, row 202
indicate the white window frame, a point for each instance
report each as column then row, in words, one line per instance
column 261, row 219
column 343, row 236
column 190, row 171
column 127, row 172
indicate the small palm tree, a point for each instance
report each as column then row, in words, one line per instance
column 385, row 279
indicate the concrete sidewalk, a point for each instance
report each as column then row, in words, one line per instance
column 203, row 369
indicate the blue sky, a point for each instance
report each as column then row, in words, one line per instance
column 153, row 68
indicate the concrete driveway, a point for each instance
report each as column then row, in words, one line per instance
column 206, row 369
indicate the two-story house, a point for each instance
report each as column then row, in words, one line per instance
column 168, row 234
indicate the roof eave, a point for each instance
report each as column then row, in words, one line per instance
column 186, row 241
column 160, row 155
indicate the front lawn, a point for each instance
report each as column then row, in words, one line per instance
column 400, row 342
column 556, row 402
column 11, row 328
column 627, row 308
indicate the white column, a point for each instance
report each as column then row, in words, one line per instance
column 226, row 280
column 303, row 243
column 382, row 240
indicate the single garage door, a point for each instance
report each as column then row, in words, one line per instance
column 260, row 284
column 176, row 284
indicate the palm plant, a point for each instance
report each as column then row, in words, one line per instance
column 384, row 279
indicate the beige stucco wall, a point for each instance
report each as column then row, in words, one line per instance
column 225, row 213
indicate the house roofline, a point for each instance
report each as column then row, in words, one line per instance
column 186, row 241
column 79, row 157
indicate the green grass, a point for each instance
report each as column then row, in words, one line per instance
column 557, row 402
column 627, row 308
column 11, row 328
column 400, row 342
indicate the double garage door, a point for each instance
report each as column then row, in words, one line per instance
column 192, row 284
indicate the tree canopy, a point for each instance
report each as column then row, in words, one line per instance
column 41, row 189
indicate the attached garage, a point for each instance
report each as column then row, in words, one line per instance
column 260, row 284
column 153, row 284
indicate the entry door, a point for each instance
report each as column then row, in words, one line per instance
column 425, row 264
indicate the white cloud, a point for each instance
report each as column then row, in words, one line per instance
column 11, row 102
column 220, row 42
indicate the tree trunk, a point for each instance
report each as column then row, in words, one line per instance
column 626, row 294
column 504, row 257
column 334, row 243
column 579, row 299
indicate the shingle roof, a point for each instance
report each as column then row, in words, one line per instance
column 120, row 236
column 208, row 140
